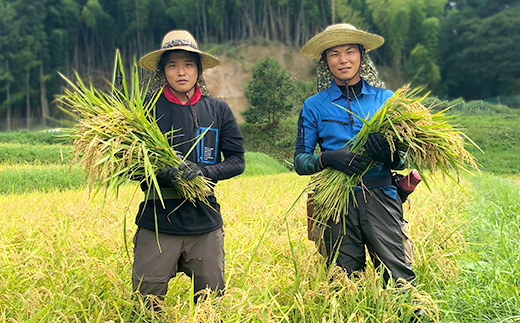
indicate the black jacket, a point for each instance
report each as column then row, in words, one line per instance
column 221, row 152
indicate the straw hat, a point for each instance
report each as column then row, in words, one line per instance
column 340, row 34
column 177, row 39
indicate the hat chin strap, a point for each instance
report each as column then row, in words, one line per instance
column 351, row 119
column 346, row 81
column 192, row 109
column 185, row 93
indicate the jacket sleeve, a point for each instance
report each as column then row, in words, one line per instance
column 234, row 164
column 305, row 162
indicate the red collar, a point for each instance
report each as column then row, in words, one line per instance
column 173, row 99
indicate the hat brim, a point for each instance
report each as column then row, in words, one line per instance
column 332, row 38
column 150, row 60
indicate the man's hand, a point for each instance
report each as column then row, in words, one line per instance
column 378, row 149
column 167, row 177
column 344, row 160
column 190, row 170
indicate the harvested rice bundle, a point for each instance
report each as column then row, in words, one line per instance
column 116, row 139
column 431, row 144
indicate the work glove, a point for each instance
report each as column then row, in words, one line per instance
column 190, row 170
column 167, row 177
column 378, row 149
column 344, row 160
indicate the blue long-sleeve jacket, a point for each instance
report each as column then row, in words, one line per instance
column 325, row 122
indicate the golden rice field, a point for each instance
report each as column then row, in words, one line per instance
column 63, row 258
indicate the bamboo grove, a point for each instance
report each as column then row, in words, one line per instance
column 438, row 43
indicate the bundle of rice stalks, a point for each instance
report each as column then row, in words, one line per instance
column 117, row 139
column 431, row 144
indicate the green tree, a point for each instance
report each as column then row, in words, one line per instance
column 8, row 28
column 480, row 55
column 422, row 65
column 96, row 32
column 422, row 68
column 473, row 43
column 410, row 29
column 269, row 93
column 346, row 13
column 30, row 44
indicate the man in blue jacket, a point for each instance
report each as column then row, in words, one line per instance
column 377, row 220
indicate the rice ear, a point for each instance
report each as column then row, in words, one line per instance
column 116, row 137
column 431, row 143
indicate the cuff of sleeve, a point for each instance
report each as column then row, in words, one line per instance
column 205, row 171
column 397, row 162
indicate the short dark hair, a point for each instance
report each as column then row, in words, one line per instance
column 164, row 57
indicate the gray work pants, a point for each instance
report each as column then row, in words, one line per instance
column 199, row 256
column 377, row 223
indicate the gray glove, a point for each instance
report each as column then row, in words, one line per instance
column 167, row 177
column 190, row 170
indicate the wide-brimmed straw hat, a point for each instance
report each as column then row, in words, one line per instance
column 177, row 39
column 340, row 34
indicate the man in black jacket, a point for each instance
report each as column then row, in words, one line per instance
column 183, row 236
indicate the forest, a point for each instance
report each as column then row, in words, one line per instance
column 460, row 48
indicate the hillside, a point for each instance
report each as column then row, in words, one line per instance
column 227, row 81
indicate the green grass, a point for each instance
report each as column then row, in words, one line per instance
column 63, row 256
column 262, row 164
column 494, row 128
column 16, row 153
column 47, row 172
column 498, row 136
column 476, row 107
column 490, row 270
column 28, row 137
column 22, row 178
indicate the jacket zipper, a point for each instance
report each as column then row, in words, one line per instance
column 336, row 121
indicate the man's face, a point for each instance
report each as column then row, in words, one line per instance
column 344, row 62
column 181, row 72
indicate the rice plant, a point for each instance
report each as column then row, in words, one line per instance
column 431, row 143
column 273, row 273
column 117, row 138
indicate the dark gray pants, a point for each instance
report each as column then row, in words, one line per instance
column 200, row 256
column 377, row 223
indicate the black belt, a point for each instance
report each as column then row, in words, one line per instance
column 167, row 193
